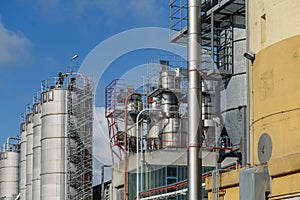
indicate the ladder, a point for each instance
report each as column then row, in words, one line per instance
column 215, row 184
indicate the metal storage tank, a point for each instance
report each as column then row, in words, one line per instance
column 23, row 149
column 53, row 140
column 9, row 173
column 165, row 126
column 233, row 94
column 29, row 153
column 134, row 106
column 274, row 93
column 9, row 170
column 36, row 151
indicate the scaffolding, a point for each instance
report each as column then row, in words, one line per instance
column 114, row 113
column 80, row 137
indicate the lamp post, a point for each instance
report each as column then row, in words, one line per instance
column 73, row 58
column 137, row 148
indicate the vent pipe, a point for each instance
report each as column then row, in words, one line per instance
column 194, row 101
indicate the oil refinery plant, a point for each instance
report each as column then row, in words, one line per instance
column 221, row 124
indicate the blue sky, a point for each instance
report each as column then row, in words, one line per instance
column 38, row 37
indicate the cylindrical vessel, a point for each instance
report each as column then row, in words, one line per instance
column 36, row 151
column 164, row 124
column 274, row 80
column 53, row 144
column 167, row 79
column 233, row 95
column 23, row 149
column 134, row 106
column 9, row 173
column 29, row 154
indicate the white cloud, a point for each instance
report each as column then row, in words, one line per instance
column 101, row 146
column 14, row 46
column 150, row 11
column 110, row 11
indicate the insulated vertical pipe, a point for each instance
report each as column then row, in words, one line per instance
column 194, row 101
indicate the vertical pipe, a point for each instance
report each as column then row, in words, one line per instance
column 194, row 101
column 102, row 181
column 247, row 144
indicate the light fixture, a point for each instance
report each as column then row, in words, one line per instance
column 74, row 57
column 250, row 56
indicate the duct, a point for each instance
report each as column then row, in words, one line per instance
column 254, row 183
column 194, row 101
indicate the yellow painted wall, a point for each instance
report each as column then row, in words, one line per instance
column 274, row 29
column 229, row 185
column 282, row 20
column 274, row 75
column 286, row 185
column 275, row 98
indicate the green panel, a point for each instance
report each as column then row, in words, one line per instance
column 131, row 185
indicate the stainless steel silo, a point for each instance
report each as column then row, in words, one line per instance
column 29, row 154
column 165, row 127
column 171, row 136
column 36, row 151
column 9, row 169
column 9, row 173
column 233, row 95
column 23, row 149
column 134, row 106
column 54, row 141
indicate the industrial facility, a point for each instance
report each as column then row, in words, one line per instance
column 231, row 133
column 52, row 159
column 220, row 124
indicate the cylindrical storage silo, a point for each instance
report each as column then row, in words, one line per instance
column 134, row 106
column 233, row 94
column 54, row 143
column 155, row 122
column 9, row 173
column 23, row 149
column 29, row 154
column 36, row 151
column 171, row 137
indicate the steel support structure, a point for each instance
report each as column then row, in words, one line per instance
column 80, row 137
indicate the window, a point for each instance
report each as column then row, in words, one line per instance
column 37, row 108
column 44, row 97
column 50, row 95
